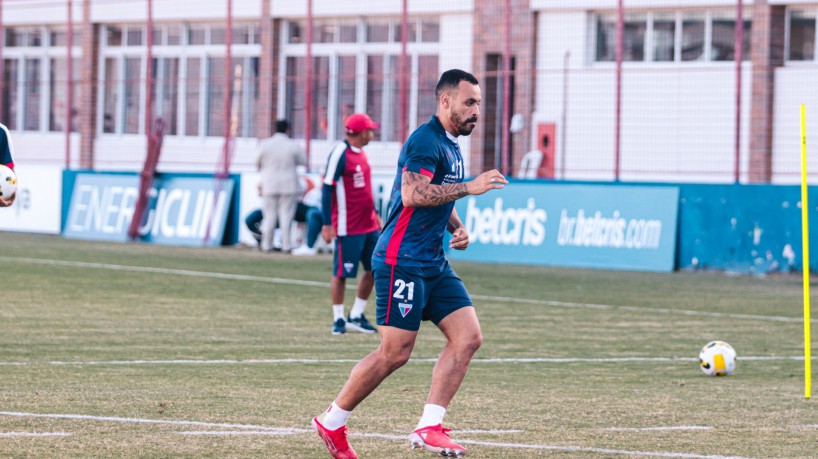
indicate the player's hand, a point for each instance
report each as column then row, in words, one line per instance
column 460, row 239
column 328, row 233
column 7, row 202
column 491, row 180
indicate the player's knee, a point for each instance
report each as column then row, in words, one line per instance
column 472, row 342
column 396, row 357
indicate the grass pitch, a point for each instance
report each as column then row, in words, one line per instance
column 133, row 350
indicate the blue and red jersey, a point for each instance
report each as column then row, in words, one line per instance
column 5, row 148
column 347, row 192
column 414, row 236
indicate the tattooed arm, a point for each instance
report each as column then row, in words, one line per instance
column 418, row 191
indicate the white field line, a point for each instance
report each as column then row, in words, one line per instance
column 203, row 433
column 502, row 299
column 660, row 428
column 321, row 361
column 153, row 421
column 268, row 432
column 34, row 434
column 261, row 430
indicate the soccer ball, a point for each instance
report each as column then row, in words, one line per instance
column 8, row 182
column 717, row 358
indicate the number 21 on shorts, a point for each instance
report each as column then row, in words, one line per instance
column 404, row 300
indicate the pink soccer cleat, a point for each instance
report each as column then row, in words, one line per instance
column 436, row 439
column 335, row 440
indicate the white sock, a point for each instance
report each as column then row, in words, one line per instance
column 357, row 308
column 432, row 415
column 337, row 312
column 335, row 417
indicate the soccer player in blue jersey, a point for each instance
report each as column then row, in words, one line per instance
column 413, row 278
column 6, row 160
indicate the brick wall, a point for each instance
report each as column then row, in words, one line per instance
column 489, row 38
column 769, row 23
column 88, row 89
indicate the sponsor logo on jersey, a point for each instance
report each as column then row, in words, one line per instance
column 348, row 266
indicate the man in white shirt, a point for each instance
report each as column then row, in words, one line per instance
column 278, row 160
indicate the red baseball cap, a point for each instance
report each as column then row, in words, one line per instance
column 360, row 122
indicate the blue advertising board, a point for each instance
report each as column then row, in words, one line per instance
column 618, row 227
column 179, row 212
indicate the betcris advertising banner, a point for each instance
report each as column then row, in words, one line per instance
column 180, row 209
column 617, row 227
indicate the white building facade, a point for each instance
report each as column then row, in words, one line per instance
column 679, row 83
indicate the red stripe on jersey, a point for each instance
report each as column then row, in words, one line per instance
column 397, row 235
column 389, row 302
column 10, row 165
column 422, row 172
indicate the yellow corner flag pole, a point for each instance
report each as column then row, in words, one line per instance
column 805, row 243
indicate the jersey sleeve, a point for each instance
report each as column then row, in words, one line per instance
column 6, row 158
column 335, row 164
column 421, row 157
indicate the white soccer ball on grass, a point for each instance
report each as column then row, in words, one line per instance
column 717, row 358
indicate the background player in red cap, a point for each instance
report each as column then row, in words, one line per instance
column 349, row 217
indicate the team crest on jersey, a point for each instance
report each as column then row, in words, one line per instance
column 348, row 266
column 404, row 308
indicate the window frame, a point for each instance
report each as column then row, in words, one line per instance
column 44, row 53
column 362, row 50
column 182, row 51
column 787, row 37
column 650, row 45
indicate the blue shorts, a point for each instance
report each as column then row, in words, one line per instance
column 351, row 250
column 407, row 295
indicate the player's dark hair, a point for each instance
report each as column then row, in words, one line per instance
column 451, row 79
column 282, row 126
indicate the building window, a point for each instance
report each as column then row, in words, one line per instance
column 693, row 36
column 664, row 37
column 134, row 36
column 377, row 31
column 113, row 36
column 633, row 37
column 131, row 96
column 428, row 73
column 188, row 90
column 197, row 35
column 429, row 31
column 193, row 81
column 368, row 81
column 31, row 95
column 323, row 31
column 802, row 35
column 165, row 92
column 347, row 31
column 652, row 36
column 10, row 93
column 375, row 76
column 346, row 92
column 110, row 97
column 59, row 37
column 295, row 31
column 723, row 47
column 296, row 96
column 59, row 95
